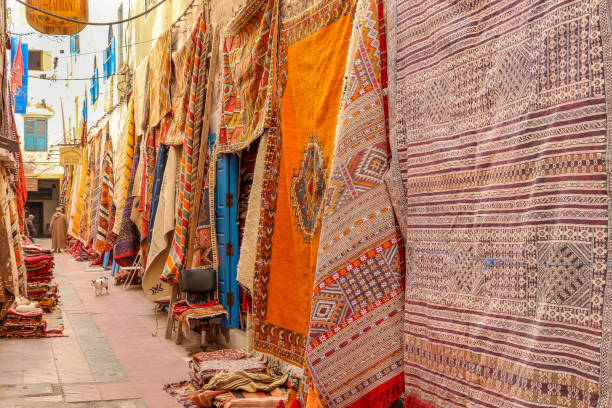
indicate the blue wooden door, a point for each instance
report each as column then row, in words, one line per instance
column 226, row 221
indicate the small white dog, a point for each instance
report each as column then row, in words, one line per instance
column 100, row 285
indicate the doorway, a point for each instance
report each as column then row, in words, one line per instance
column 36, row 209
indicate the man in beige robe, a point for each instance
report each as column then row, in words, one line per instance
column 58, row 229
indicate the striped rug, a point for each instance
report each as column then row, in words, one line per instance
column 502, row 170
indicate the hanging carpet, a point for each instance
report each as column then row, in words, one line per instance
column 313, row 50
column 106, row 196
column 128, row 240
column 189, row 161
column 249, row 89
column 501, row 182
column 355, row 353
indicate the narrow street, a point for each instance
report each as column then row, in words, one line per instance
column 109, row 357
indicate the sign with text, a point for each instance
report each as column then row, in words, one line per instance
column 73, row 9
column 70, row 155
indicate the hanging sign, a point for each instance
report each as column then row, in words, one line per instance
column 31, row 184
column 74, row 9
column 70, row 155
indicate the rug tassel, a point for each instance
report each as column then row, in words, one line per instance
column 384, row 396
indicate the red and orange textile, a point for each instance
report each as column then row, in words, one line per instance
column 127, row 243
column 176, row 258
column 501, row 181
column 173, row 126
column 106, row 197
column 124, row 171
column 312, row 60
column 96, row 195
column 249, row 62
column 192, row 315
column 160, row 68
column 16, row 240
column 23, row 325
column 355, row 316
column 41, row 287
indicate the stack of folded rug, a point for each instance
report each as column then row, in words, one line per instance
column 41, row 287
column 23, row 325
column 204, row 366
column 229, row 378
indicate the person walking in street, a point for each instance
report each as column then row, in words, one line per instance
column 32, row 233
column 58, row 229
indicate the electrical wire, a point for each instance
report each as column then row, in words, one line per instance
column 123, row 46
column 72, row 20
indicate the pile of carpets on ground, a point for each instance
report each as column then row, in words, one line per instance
column 23, row 325
column 25, row 319
column 41, row 285
column 80, row 252
column 231, row 378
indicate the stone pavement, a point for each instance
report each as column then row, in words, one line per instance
column 111, row 357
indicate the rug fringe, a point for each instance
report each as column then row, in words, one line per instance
column 278, row 366
column 384, row 396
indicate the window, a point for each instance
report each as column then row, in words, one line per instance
column 75, row 44
column 109, row 55
column 39, row 60
column 35, row 134
column 35, row 60
column 94, row 89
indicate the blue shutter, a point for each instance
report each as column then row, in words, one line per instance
column 41, row 134
column 29, row 133
column 113, row 66
column 226, row 221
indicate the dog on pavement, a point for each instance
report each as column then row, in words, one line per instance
column 100, row 285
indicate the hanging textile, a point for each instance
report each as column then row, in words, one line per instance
column 160, row 166
column 313, row 58
column 359, row 279
column 17, row 248
column 162, row 229
column 106, row 196
column 17, row 70
column 125, row 161
column 501, row 183
column 160, row 68
column 11, row 262
column 205, row 244
column 96, row 197
column 78, row 214
column 17, row 173
column 128, row 240
column 191, row 143
column 249, row 89
column 87, row 196
column 250, row 234
column 183, row 67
